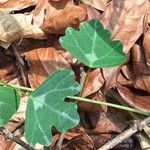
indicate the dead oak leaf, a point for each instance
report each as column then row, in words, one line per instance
column 146, row 42
column 50, row 16
column 12, row 5
column 125, row 19
column 141, row 69
column 98, row 4
column 134, row 98
column 43, row 62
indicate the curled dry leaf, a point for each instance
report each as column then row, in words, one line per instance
column 50, row 16
column 135, row 98
column 93, row 83
column 98, row 4
column 110, row 77
column 125, row 19
column 43, row 62
column 18, row 26
column 126, row 76
column 92, row 13
column 12, row 5
column 141, row 69
column 146, row 46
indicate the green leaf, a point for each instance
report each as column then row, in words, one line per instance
column 9, row 102
column 92, row 45
column 46, row 108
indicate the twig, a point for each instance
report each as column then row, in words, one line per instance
column 8, row 135
column 60, row 141
column 21, row 64
column 138, row 126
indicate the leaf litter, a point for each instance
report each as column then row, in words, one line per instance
column 47, row 22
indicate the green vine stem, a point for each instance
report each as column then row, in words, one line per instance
column 81, row 99
column 17, row 87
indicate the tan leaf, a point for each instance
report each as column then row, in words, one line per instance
column 12, row 5
column 125, row 19
column 98, row 4
column 146, row 46
column 18, row 26
column 43, row 62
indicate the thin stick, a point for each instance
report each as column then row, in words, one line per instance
column 138, row 126
column 60, row 141
column 20, row 65
column 8, row 135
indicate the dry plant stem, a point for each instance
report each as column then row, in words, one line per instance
column 60, row 141
column 84, row 83
column 20, row 65
column 138, row 126
column 8, row 135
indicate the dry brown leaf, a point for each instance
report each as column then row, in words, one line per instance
column 93, row 107
column 81, row 142
column 92, row 13
column 8, row 69
column 125, row 19
column 93, row 83
column 7, row 145
column 50, row 16
column 17, row 26
column 146, row 46
column 126, row 76
column 98, row 4
column 12, row 5
column 110, row 122
column 43, row 62
column 110, row 77
column 135, row 98
column 141, row 70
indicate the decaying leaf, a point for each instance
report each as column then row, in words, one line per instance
column 110, row 77
column 93, row 107
column 43, row 62
column 135, row 98
column 50, row 16
column 146, row 46
column 11, row 5
column 125, row 19
column 93, row 83
column 17, row 26
column 98, row 4
column 141, row 69
column 8, row 69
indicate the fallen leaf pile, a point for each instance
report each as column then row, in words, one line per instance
column 33, row 29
